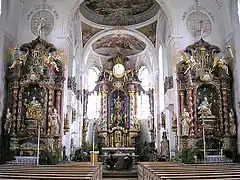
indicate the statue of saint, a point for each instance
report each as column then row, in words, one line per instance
column 163, row 119
column 8, row 123
column 174, row 122
column 118, row 103
column 164, row 150
column 150, row 121
column 185, row 122
column 205, row 108
column 118, row 139
column 55, row 122
column 232, row 123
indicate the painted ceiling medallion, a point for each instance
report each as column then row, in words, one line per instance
column 119, row 12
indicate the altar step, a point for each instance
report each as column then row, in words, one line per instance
column 119, row 174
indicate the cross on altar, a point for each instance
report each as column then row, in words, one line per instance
column 40, row 23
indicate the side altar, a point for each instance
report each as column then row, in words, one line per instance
column 33, row 115
column 207, row 120
column 119, row 87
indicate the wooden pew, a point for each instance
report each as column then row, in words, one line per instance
column 62, row 171
column 169, row 170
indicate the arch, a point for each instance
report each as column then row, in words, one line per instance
column 88, row 47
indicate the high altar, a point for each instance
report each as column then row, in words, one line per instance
column 118, row 87
column 35, row 82
column 207, row 120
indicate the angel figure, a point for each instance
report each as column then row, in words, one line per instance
column 50, row 62
column 8, row 123
column 110, row 75
column 192, row 64
column 232, row 122
column 21, row 61
column 221, row 63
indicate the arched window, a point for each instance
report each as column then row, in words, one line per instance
column 92, row 78
column 144, row 77
column 93, row 98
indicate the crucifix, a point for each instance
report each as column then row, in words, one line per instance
column 40, row 23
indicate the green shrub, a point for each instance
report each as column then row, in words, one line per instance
column 187, row 156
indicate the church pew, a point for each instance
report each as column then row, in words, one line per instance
column 65, row 171
column 155, row 170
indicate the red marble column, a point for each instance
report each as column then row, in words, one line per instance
column 14, row 106
column 190, row 109
column 225, row 111
column 58, row 101
column 181, row 93
column 50, row 101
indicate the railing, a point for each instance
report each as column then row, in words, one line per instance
column 24, row 160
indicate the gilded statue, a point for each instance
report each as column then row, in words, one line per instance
column 185, row 122
column 8, row 123
column 55, row 123
column 118, row 139
column 34, row 109
column 221, row 63
column 137, row 125
column 232, row 121
column 205, row 108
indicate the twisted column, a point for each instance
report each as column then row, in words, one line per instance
column 104, row 107
column 14, row 106
column 132, row 105
column 58, row 101
column 182, row 97
column 225, row 122
column 19, row 110
column 190, row 109
column 50, row 100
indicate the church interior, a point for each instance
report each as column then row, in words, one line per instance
column 122, row 84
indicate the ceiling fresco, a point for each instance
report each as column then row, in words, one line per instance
column 150, row 31
column 112, row 44
column 87, row 32
column 119, row 12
